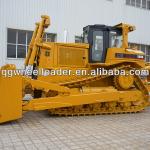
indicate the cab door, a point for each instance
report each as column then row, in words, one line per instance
column 98, row 46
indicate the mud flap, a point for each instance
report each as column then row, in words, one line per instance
column 10, row 98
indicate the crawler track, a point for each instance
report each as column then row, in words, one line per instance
column 104, row 107
column 98, row 109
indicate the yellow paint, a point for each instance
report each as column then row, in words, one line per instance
column 10, row 98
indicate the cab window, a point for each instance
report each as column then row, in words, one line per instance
column 97, row 47
column 115, row 39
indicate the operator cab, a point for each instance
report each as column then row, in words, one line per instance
column 100, row 38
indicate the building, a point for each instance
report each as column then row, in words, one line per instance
column 17, row 18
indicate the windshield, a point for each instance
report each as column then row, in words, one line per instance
column 115, row 39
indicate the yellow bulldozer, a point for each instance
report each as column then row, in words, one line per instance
column 80, row 88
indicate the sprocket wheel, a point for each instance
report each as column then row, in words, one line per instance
column 123, row 82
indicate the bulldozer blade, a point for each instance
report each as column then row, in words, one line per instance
column 10, row 98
